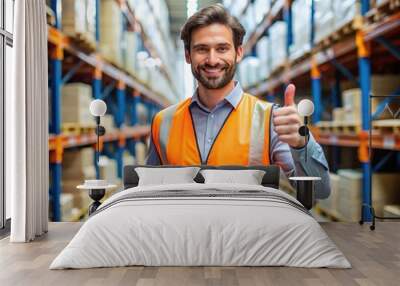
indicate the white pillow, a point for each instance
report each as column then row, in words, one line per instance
column 164, row 176
column 249, row 177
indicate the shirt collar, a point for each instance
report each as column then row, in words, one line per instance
column 233, row 97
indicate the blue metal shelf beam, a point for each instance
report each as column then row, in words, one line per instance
column 97, row 21
column 336, row 91
column 389, row 46
column 288, row 17
column 364, row 67
column 67, row 77
column 133, row 103
column 97, row 86
column 119, row 120
column 56, row 7
column 56, row 82
column 316, row 95
column 312, row 26
column 344, row 71
column 108, row 90
column 365, row 5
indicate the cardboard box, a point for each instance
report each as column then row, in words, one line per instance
column 331, row 203
column 78, row 18
column 380, row 86
column 141, row 153
column 109, row 124
column 76, row 99
column 384, row 192
column 67, row 204
column 78, row 164
column 111, row 36
column 108, row 169
column 339, row 114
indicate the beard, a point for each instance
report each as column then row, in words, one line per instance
column 228, row 72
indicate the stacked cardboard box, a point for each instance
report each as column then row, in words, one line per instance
column 73, row 17
column 142, row 70
column 142, row 113
column 78, row 164
column 380, row 86
column 339, row 114
column 109, row 124
column 111, row 35
column 132, row 41
column 249, row 71
column 330, row 205
column 277, row 34
column 345, row 11
column 384, row 192
column 264, row 54
column 261, row 8
column 108, row 169
column 301, row 28
column 324, row 19
column 76, row 99
column 141, row 152
column 67, row 205
column 77, row 167
column 78, row 18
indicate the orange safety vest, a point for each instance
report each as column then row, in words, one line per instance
column 244, row 138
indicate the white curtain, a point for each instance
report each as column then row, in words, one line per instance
column 27, row 165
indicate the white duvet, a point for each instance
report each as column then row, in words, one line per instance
column 138, row 227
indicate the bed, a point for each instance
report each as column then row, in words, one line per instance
column 201, row 224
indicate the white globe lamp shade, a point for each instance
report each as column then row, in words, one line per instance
column 305, row 107
column 98, row 107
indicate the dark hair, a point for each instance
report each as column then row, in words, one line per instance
column 211, row 15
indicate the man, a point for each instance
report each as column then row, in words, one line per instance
column 222, row 125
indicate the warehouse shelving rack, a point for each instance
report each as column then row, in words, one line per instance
column 335, row 58
column 120, row 90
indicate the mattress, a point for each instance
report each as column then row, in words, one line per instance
column 201, row 225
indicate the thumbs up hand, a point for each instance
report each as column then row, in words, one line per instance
column 287, row 121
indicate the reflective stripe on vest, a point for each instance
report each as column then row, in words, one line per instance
column 257, row 133
column 254, row 144
column 166, row 123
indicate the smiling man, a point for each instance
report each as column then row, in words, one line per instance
column 222, row 125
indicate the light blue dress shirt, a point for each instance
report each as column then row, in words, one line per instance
column 207, row 124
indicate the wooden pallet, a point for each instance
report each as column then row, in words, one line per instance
column 394, row 4
column 379, row 12
column 324, row 126
column 347, row 128
column 387, row 126
column 83, row 41
column 339, row 127
column 76, row 129
column 344, row 31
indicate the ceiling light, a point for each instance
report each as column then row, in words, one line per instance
column 191, row 7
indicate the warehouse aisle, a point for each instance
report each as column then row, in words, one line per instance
column 343, row 55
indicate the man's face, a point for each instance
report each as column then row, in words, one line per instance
column 212, row 56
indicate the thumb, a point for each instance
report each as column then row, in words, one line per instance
column 289, row 95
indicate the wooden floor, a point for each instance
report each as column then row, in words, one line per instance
column 375, row 256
